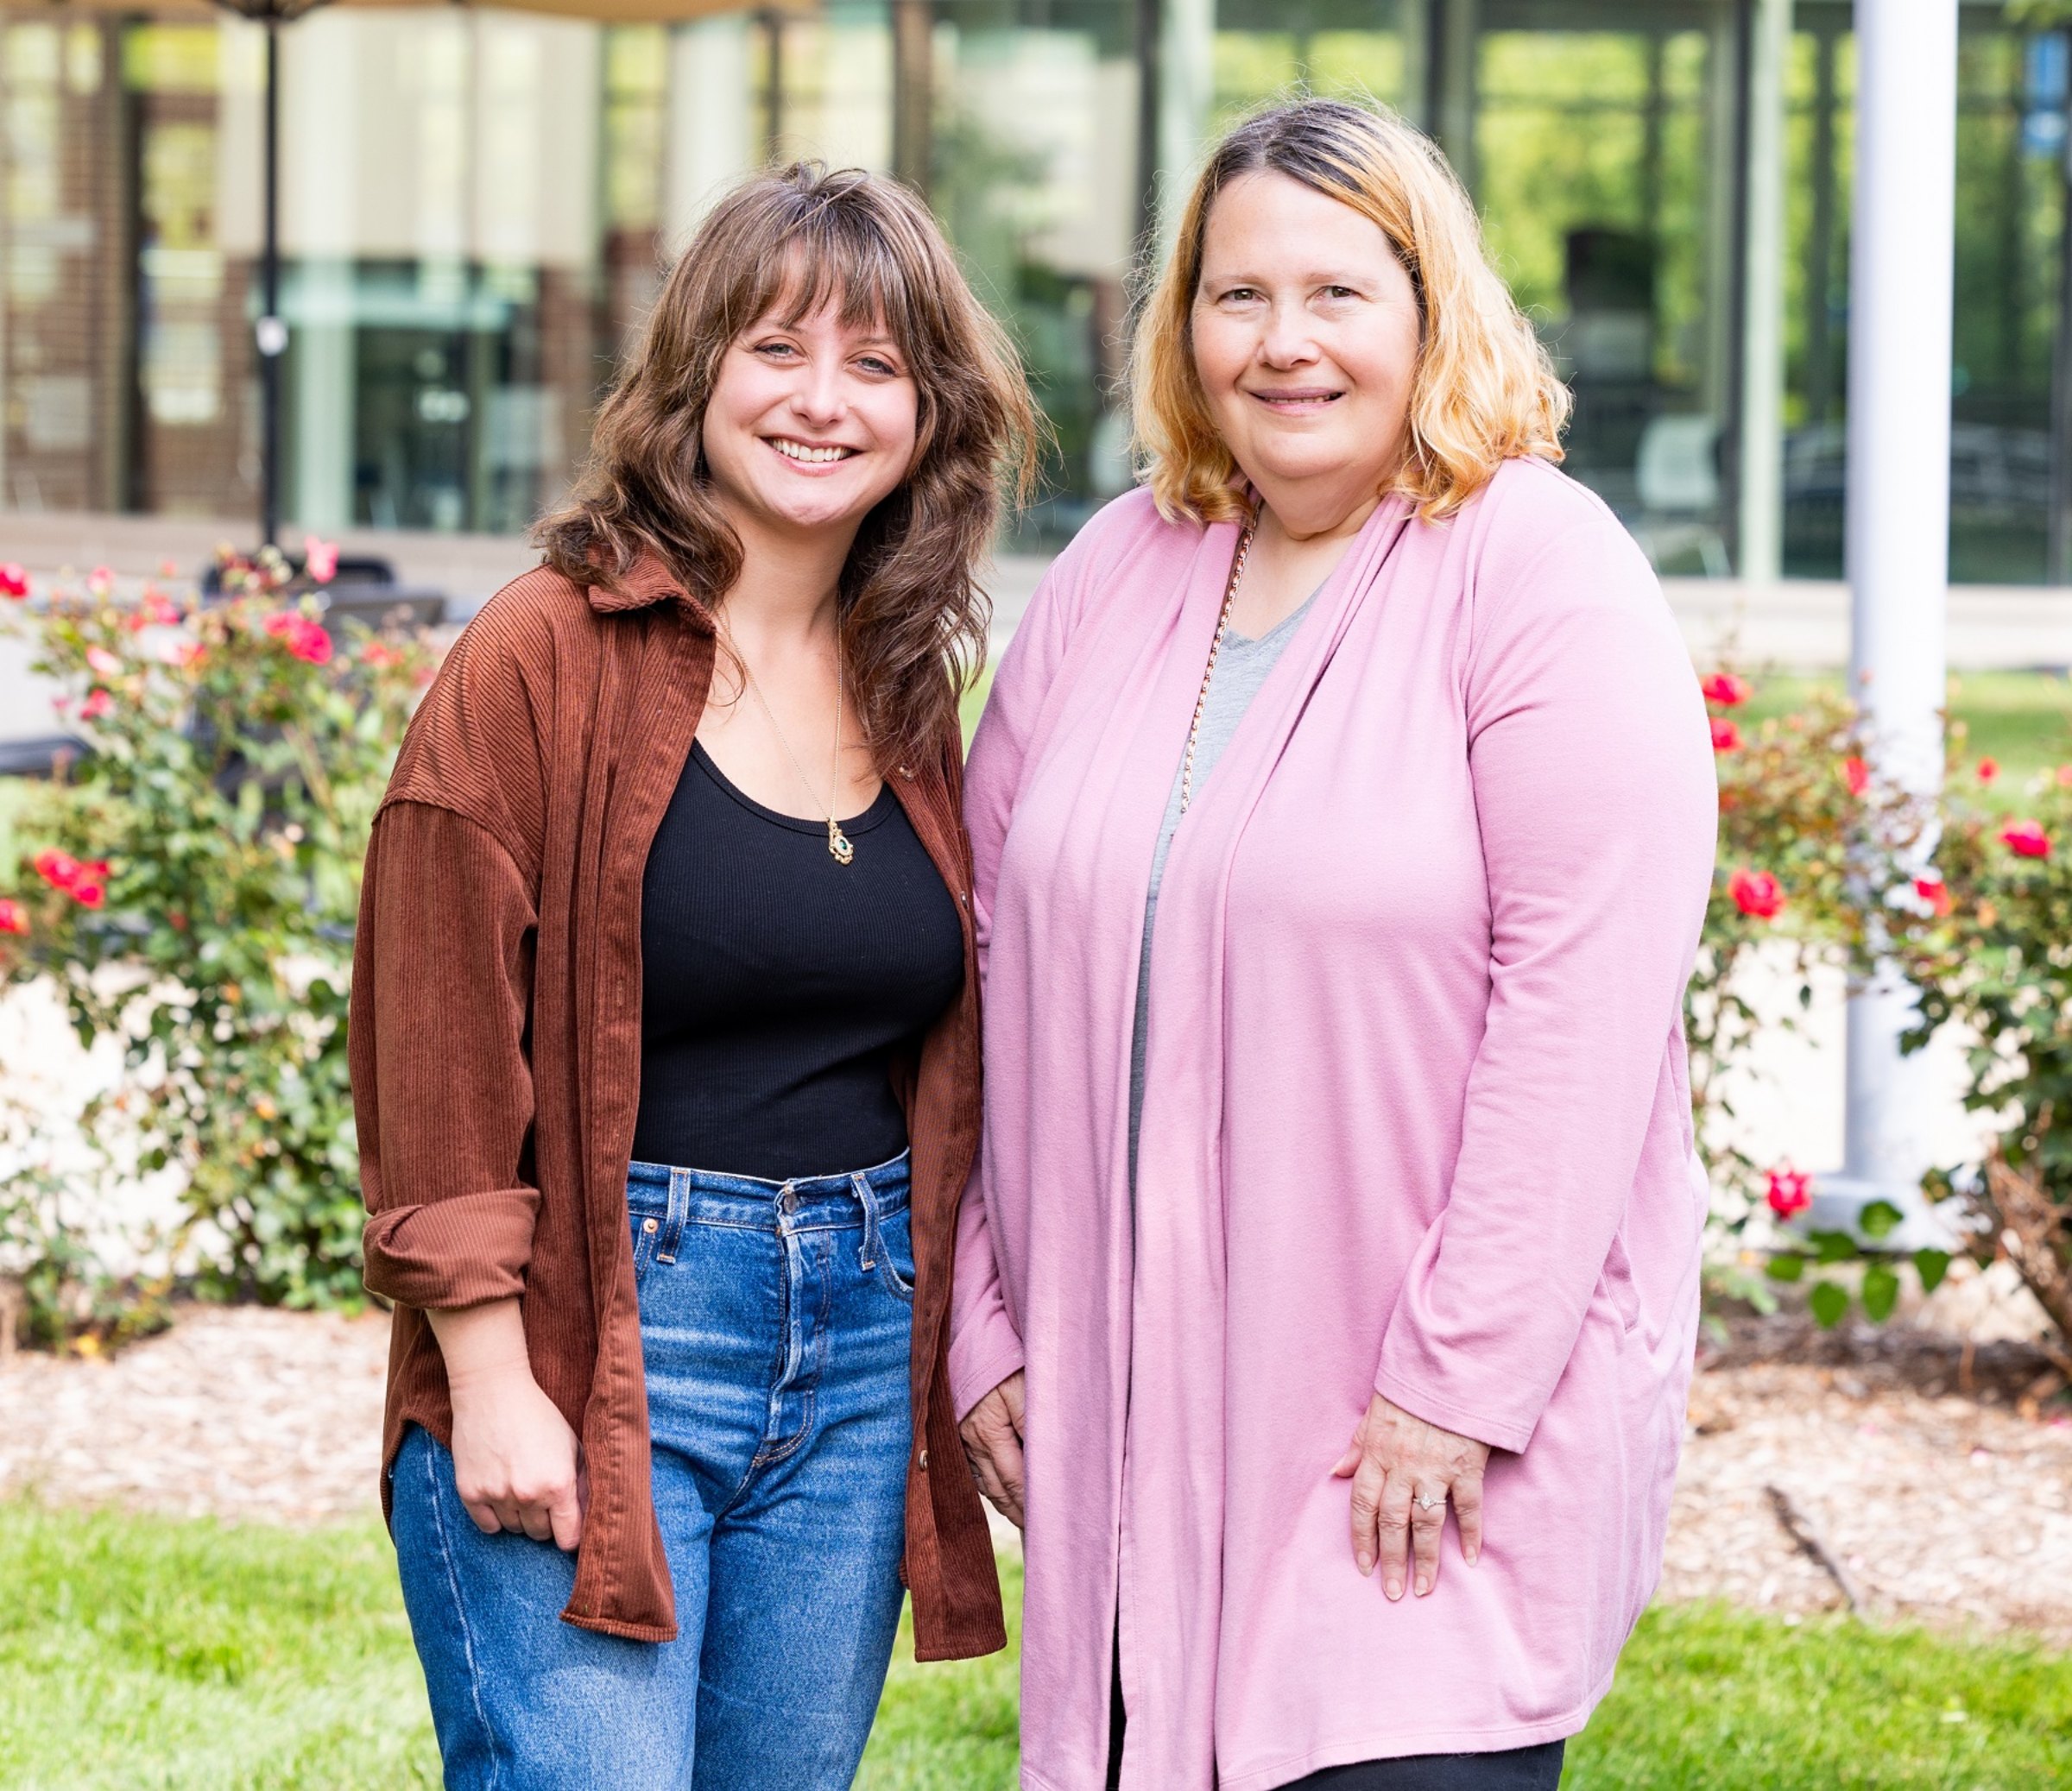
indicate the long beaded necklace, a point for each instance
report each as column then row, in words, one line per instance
column 1215, row 646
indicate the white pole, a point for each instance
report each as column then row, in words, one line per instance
column 710, row 134
column 1762, row 473
column 1186, row 97
column 1900, row 300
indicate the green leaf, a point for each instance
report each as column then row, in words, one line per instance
column 1834, row 1246
column 1880, row 1292
column 1931, row 1265
column 1880, row 1219
column 1829, row 1302
column 1786, row 1266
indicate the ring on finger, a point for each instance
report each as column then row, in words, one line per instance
column 1429, row 1505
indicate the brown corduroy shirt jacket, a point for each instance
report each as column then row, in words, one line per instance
column 496, row 1051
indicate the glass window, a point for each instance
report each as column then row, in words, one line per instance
column 1035, row 148
column 2008, row 504
column 1603, row 169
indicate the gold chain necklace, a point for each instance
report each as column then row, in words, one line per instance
column 838, row 847
column 1215, row 646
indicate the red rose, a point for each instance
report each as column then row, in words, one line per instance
column 89, row 895
column 2026, row 839
column 98, row 704
column 1988, row 770
column 1857, row 775
column 1726, row 690
column 59, row 869
column 1935, row 893
column 1725, row 737
column 14, row 917
column 14, row 581
column 1756, row 894
column 1790, row 1191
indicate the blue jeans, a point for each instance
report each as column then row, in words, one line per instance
column 774, row 1320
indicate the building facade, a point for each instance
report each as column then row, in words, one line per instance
column 476, row 206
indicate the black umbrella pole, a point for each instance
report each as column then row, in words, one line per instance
column 271, row 333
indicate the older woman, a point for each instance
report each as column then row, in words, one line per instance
column 1344, row 817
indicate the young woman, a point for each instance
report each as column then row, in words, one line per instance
column 1344, row 817
column 665, row 1038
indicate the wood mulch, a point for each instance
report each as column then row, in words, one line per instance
column 1933, row 1478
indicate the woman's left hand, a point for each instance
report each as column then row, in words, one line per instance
column 1404, row 1470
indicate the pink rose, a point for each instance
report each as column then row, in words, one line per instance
column 14, row 917
column 1988, row 770
column 104, row 662
column 2026, row 839
column 1789, row 1192
column 1725, row 737
column 14, row 581
column 303, row 638
column 1756, row 893
column 1726, row 690
column 1935, row 893
column 1857, row 775
column 98, row 704
column 320, row 558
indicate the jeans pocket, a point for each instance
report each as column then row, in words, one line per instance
column 896, row 1257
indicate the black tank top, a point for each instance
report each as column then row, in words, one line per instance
column 777, row 983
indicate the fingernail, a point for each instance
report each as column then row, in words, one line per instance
column 1423, row 1586
column 1395, row 1588
column 1474, row 1555
column 1366, row 1563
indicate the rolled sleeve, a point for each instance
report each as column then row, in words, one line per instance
column 442, row 1082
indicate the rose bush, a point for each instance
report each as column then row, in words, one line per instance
column 1804, row 830
column 1988, row 945
column 190, row 888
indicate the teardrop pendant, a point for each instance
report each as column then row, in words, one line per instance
column 837, row 844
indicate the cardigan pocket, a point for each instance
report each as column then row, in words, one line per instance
column 1615, row 1285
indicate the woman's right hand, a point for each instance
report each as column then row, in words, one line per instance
column 515, row 1460
column 992, row 1434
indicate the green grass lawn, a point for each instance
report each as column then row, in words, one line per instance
column 2024, row 719
column 151, row 1655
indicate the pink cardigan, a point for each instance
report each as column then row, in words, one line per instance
column 1415, row 1119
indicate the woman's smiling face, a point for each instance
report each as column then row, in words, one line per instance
column 1306, row 334
column 811, row 424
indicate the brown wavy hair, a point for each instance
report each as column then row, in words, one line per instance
column 913, row 618
column 1484, row 391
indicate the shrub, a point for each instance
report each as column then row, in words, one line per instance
column 1988, row 945
column 190, row 886
column 1803, row 828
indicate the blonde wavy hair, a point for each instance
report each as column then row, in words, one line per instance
column 1484, row 391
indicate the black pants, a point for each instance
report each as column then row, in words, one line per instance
column 1514, row 1770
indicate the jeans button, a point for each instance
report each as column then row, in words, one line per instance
column 650, row 1224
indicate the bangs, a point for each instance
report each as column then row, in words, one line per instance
column 838, row 254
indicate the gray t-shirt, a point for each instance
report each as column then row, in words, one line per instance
column 1240, row 669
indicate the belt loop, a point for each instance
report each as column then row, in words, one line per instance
column 680, row 1217
column 867, row 1198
